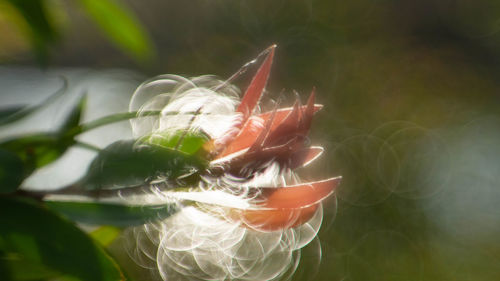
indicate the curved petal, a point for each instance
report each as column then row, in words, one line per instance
column 299, row 196
column 272, row 220
column 305, row 156
column 287, row 206
column 256, row 87
column 249, row 100
column 253, row 128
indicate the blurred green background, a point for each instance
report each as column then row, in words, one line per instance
column 411, row 118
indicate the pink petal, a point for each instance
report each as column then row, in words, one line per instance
column 305, row 156
column 287, row 206
column 244, row 163
column 286, row 127
column 248, row 102
column 308, row 113
column 251, row 130
column 256, row 87
column 277, row 219
column 257, row 145
column 299, row 196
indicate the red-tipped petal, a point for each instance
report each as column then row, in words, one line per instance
column 285, row 128
column 299, row 196
column 272, row 220
column 305, row 156
column 251, row 130
column 257, row 145
column 247, row 136
column 287, row 206
column 308, row 112
column 256, row 87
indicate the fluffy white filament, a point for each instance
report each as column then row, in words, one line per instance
column 194, row 245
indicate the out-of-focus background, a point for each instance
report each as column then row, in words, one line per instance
column 411, row 119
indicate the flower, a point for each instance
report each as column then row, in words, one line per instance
column 249, row 206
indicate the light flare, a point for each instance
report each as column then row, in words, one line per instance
column 250, row 214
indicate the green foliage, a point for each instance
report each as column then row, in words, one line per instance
column 117, row 22
column 128, row 163
column 38, row 150
column 105, row 235
column 37, row 244
column 42, row 32
column 97, row 213
column 73, row 119
column 121, row 26
column 109, row 120
column 17, row 267
column 187, row 142
column 11, row 171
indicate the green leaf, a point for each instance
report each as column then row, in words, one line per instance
column 42, row 32
column 121, row 26
column 97, row 213
column 127, row 164
column 110, row 119
column 105, row 235
column 32, row 237
column 12, row 171
column 72, row 121
column 37, row 150
column 18, row 267
column 187, row 142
